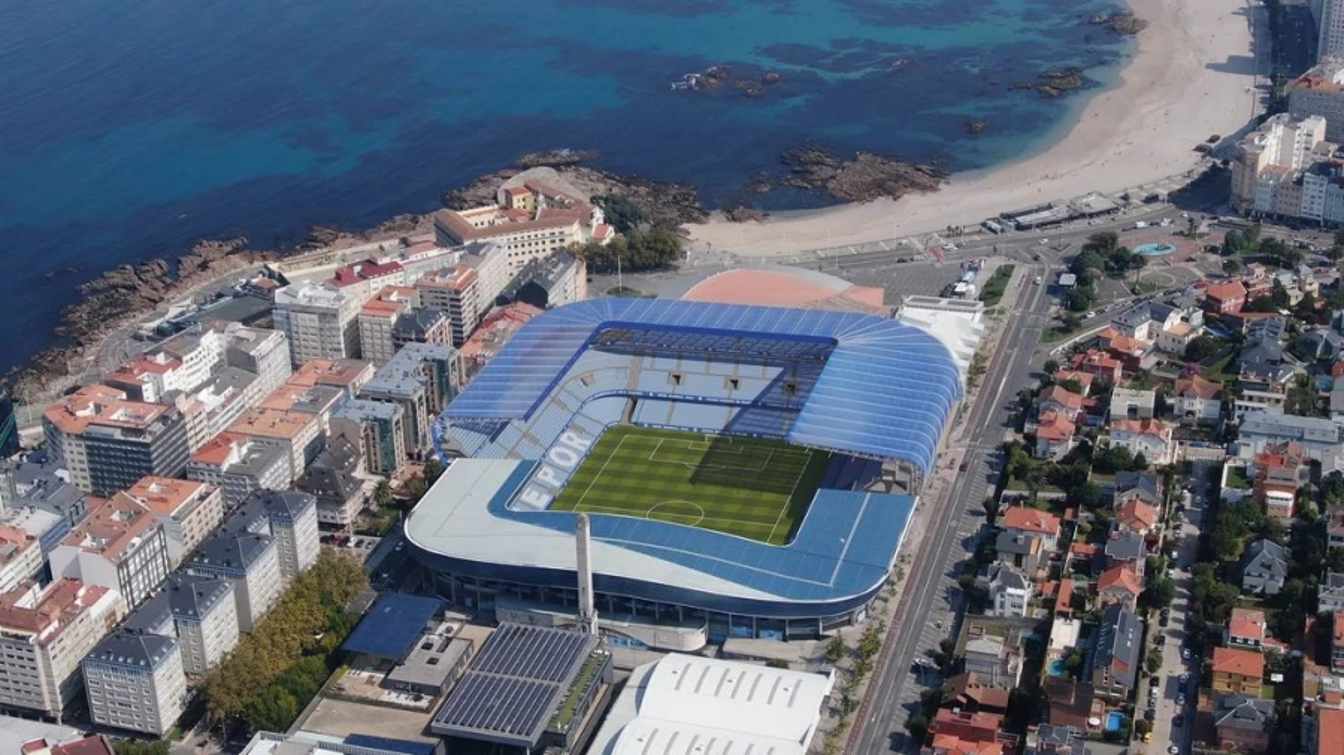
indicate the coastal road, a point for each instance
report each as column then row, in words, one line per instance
column 880, row 724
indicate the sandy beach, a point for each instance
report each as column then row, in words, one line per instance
column 1192, row 75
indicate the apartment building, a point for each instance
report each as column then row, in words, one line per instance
column 377, row 430
column 262, row 352
column 320, row 321
column 1320, row 92
column 377, row 320
column 134, row 681
column 317, row 400
column 349, row 375
column 1330, row 26
column 1238, row 670
column 36, row 496
column 44, row 634
column 238, row 465
column 107, row 442
column 21, row 557
column 1116, row 654
column 1282, row 169
column 300, row 434
column 456, row 292
column 199, row 612
column 546, row 282
column 331, row 480
column 212, row 406
column 535, row 214
column 251, row 564
column 188, row 511
column 422, row 325
column 421, row 379
column 290, row 519
column 363, row 279
column 187, row 360
column 120, row 545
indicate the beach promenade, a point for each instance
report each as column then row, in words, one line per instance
column 1193, row 75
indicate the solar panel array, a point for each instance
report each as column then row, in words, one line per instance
column 513, row 685
column 886, row 390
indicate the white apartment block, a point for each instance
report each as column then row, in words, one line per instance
column 119, row 545
column 290, row 519
column 205, row 618
column 320, row 321
column 135, row 681
column 20, row 557
column 250, row 562
column 44, row 635
column 300, row 434
column 1268, row 176
column 187, row 510
column 457, row 292
column 238, row 465
column 377, row 320
column 1330, row 24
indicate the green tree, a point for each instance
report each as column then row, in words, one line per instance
column 433, row 468
column 1202, row 347
column 382, row 493
column 918, row 726
column 623, row 215
column 835, row 649
column 1231, row 266
column 140, row 747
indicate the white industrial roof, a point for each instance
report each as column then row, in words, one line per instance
column 689, row 705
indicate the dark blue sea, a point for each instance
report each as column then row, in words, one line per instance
column 128, row 130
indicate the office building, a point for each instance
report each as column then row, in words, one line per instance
column 187, row 510
column 320, row 321
column 44, row 634
column 239, row 464
column 120, row 545
column 290, row 519
column 377, row 430
column 107, row 442
column 134, row 681
column 251, row 564
column 455, row 291
column 421, row 379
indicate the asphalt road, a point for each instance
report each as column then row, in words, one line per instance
column 880, row 725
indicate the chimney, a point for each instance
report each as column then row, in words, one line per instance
column 582, row 542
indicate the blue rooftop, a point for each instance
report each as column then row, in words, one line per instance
column 885, row 391
column 390, row 628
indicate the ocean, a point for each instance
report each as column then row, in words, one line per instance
column 130, row 130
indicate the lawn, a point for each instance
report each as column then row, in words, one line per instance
column 996, row 285
column 753, row 488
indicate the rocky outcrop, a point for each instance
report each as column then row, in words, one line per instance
column 1056, row 83
column 975, row 126
column 721, row 79
column 554, row 158
column 1126, row 24
column 865, row 176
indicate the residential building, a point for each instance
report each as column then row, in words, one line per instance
column 107, row 442
column 993, row 659
column 377, row 429
column 205, row 619
column 971, row 693
column 1269, row 158
column 215, row 404
column 21, row 557
column 120, row 545
column 1136, row 516
column 1319, row 438
column 533, row 218
column 1243, row 722
column 239, row 464
column 1054, row 436
column 1337, row 642
column 37, row 497
column 1150, row 320
column 320, row 321
column 94, row 744
column 960, row 731
column 1021, row 550
column 134, row 681
column 1116, row 654
column 1026, row 520
column 317, row 400
column 1319, row 344
column 1330, row 593
column 1246, row 629
column 1264, row 567
column 299, row 433
column 1119, row 585
column 1132, row 403
column 363, row 280
column 1320, row 91
column 378, row 318
column 9, row 429
column 1225, row 298
column 1334, row 526
column 44, row 634
column 331, row 480
column 1326, row 729
column 1062, row 401
column 1278, row 472
column 546, row 282
column 1136, row 486
column 1330, row 23
column 455, row 292
column 1150, row 437
column 262, row 352
column 349, row 375
column 421, row 379
column 1070, row 702
column 1134, row 355
column 1009, row 590
column 422, row 325
column 290, row 519
column 251, row 564
column 1238, row 670
column 186, row 509
column 1197, row 400
column 1126, row 547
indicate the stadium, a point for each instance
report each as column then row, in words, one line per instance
column 726, row 455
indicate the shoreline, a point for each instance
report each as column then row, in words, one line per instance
column 1187, row 79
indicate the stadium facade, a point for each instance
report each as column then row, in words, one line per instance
column 868, row 390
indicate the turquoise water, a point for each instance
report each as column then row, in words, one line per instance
column 1058, row 668
column 1154, row 250
column 1114, row 721
column 128, row 130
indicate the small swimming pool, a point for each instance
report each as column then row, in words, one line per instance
column 1115, row 720
column 1154, row 250
column 1057, row 668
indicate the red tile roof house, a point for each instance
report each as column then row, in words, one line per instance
column 972, row 727
column 1054, row 436
column 1034, row 521
column 1197, row 400
column 1137, row 516
column 1119, row 584
column 1083, row 379
column 1062, row 401
column 1246, row 629
column 1099, row 364
column 1225, row 298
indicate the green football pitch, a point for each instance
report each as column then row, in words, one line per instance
column 753, row 488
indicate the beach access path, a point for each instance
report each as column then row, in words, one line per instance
column 1193, row 74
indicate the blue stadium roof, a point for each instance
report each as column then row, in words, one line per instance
column 886, row 390
column 392, row 625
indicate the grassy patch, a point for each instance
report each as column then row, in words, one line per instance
column 749, row 487
column 996, row 285
column 1237, row 479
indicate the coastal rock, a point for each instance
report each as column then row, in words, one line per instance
column 721, row 79
column 866, row 176
column 1056, row 83
column 556, row 157
column 975, row 126
column 1121, row 23
column 743, row 214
